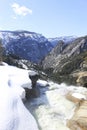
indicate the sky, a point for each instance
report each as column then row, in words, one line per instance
column 51, row 18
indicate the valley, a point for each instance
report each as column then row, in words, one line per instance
column 61, row 64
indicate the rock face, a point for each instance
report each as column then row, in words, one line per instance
column 62, row 53
column 26, row 45
column 79, row 120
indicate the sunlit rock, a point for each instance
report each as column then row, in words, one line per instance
column 82, row 79
column 79, row 119
column 75, row 97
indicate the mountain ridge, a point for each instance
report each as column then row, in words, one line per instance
column 65, row 60
column 59, row 60
column 28, row 45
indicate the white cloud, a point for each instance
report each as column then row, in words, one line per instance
column 21, row 10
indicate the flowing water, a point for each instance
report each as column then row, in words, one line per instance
column 51, row 109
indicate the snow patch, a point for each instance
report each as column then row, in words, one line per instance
column 43, row 83
column 79, row 95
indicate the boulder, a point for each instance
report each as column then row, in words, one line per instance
column 79, row 119
column 34, row 76
column 72, row 98
column 82, row 80
column 34, row 92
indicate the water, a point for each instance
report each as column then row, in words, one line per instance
column 52, row 109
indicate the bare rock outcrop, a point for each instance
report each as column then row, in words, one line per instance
column 81, row 78
column 79, row 119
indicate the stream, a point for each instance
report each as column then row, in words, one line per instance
column 51, row 109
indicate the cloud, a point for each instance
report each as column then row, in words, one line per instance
column 21, row 10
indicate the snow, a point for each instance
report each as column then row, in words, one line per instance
column 18, row 34
column 51, row 110
column 65, row 39
column 78, row 95
column 13, row 113
column 16, row 76
column 42, row 83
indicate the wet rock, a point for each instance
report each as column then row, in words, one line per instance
column 34, row 76
column 34, row 92
column 85, row 85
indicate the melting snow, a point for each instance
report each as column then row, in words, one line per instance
column 13, row 113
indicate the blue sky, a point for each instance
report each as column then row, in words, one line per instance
column 52, row 18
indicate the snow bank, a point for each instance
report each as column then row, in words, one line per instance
column 19, row 77
column 13, row 114
column 16, row 76
column 42, row 83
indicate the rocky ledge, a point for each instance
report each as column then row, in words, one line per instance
column 81, row 78
column 79, row 119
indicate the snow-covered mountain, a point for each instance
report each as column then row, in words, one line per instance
column 30, row 45
column 26, row 45
column 65, row 39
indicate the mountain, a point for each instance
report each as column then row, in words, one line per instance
column 64, row 59
column 64, row 51
column 26, row 45
column 65, row 39
column 30, row 45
